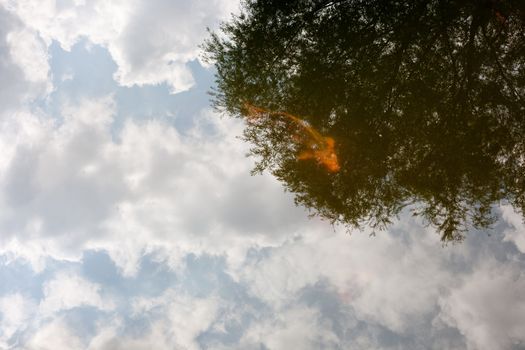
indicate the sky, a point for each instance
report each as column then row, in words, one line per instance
column 129, row 218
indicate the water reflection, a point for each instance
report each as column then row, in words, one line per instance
column 309, row 142
column 362, row 108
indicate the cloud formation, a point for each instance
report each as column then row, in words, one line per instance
column 72, row 186
column 150, row 41
column 23, row 63
column 149, row 236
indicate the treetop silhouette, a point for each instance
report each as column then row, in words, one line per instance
column 420, row 103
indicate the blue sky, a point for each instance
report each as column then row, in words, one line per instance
column 129, row 219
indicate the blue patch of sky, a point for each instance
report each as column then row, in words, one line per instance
column 238, row 309
column 86, row 71
column 342, row 319
column 206, row 274
column 202, row 277
column 203, row 274
column 83, row 321
column 18, row 276
column 322, row 297
column 151, row 280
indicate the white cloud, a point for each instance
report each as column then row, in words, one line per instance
column 151, row 41
column 15, row 314
column 72, row 186
column 68, row 21
column 55, row 335
column 366, row 272
column 176, row 319
column 292, row 328
column 401, row 282
column 67, row 291
column 23, row 64
column 516, row 232
column 30, row 54
column 489, row 306
column 46, row 186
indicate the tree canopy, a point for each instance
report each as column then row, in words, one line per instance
column 425, row 101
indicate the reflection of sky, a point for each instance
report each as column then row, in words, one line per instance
column 129, row 220
column 87, row 71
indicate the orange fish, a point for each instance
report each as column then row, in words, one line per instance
column 316, row 146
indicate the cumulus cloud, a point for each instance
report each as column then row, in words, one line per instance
column 15, row 314
column 55, row 335
column 516, row 231
column 151, row 41
column 175, row 320
column 182, row 317
column 148, row 187
column 67, row 291
column 368, row 279
column 404, row 282
column 47, row 186
column 489, row 307
column 23, row 63
column 295, row 327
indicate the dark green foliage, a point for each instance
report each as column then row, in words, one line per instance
column 425, row 99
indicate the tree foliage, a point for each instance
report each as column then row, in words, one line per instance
column 425, row 100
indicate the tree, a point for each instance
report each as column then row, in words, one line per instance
column 425, row 101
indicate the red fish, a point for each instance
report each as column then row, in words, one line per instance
column 316, row 146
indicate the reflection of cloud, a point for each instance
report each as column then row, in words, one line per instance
column 55, row 335
column 368, row 269
column 405, row 284
column 488, row 307
column 405, row 289
column 23, row 63
column 184, row 315
column 15, row 312
column 206, row 256
column 516, row 232
column 154, row 191
column 67, row 291
column 151, row 41
column 296, row 327
column 73, row 185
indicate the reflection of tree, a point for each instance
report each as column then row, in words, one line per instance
column 425, row 99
